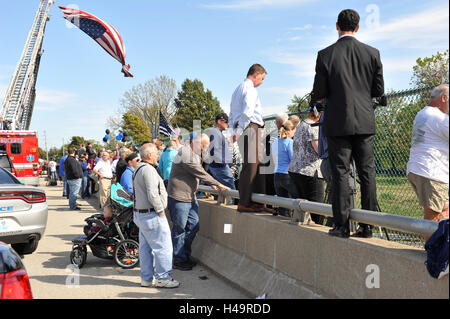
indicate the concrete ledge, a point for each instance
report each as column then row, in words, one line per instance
column 264, row 254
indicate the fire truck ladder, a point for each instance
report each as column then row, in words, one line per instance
column 19, row 99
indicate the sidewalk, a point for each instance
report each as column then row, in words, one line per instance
column 102, row 278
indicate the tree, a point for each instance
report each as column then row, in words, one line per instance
column 136, row 128
column 193, row 102
column 42, row 154
column 298, row 104
column 54, row 152
column 145, row 101
column 431, row 71
column 76, row 141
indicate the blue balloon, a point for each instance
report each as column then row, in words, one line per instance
column 119, row 136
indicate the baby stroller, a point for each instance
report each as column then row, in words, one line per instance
column 116, row 239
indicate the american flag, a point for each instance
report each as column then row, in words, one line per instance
column 103, row 33
column 164, row 127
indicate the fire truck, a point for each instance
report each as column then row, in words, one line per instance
column 22, row 148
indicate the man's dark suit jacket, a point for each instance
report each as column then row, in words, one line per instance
column 348, row 74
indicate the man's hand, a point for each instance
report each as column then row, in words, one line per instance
column 223, row 187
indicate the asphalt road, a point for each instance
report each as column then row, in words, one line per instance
column 52, row 277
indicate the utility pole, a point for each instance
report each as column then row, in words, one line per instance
column 45, row 139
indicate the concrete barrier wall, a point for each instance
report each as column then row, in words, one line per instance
column 265, row 254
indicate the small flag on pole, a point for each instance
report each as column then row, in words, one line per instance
column 164, row 127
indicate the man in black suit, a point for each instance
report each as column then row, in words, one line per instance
column 349, row 74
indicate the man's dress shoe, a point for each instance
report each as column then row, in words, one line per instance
column 363, row 232
column 339, row 232
column 247, row 209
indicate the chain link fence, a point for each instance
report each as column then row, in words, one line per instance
column 391, row 149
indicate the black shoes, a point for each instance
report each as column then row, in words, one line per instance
column 363, row 232
column 192, row 262
column 184, row 265
column 339, row 232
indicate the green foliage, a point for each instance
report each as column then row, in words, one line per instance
column 145, row 100
column 298, row 103
column 76, row 141
column 136, row 128
column 431, row 71
column 42, row 154
column 193, row 102
column 54, row 152
column 394, row 128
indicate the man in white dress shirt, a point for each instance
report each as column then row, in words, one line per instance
column 247, row 122
column 103, row 169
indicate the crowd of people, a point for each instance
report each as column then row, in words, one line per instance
column 295, row 160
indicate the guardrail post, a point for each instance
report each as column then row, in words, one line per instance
column 301, row 217
column 221, row 198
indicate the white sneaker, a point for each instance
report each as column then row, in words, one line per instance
column 145, row 283
column 165, row 283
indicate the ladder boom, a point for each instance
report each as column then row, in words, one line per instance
column 19, row 99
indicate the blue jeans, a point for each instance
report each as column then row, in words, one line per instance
column 284, row 187
column 84, row 186
column 184, row 227
column 155, row 246
column 224, row 176
column 65, row 187
column 74, row 188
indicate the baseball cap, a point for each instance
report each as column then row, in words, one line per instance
column 222, row 116
column 131, row 157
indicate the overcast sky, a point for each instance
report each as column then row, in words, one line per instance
column 79, row 85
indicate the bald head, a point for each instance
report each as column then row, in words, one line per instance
column 439, row 97
column 200, row 142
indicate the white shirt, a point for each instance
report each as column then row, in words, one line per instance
column 220, row 155
column 346, row 35
column 429, row 145
column 245, row 106
column 114, row 165
column 104, row 168
column 52, row 165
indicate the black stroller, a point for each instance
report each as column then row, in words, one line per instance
column 117, row 239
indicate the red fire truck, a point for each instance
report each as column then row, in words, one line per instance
column 22, row 148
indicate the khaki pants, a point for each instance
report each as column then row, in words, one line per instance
column 251, row 180
column 431, row 194
column 104, row 191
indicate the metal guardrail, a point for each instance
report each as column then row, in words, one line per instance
column 303, row 207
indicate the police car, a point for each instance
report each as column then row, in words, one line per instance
column 23, row 213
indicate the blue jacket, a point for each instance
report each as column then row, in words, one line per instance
column 437, row 248
column 165, row 162
column 84, row 168
column 61, row 166
column 127, row 179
